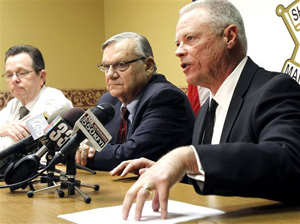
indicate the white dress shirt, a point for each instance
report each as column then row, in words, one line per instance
column 223, row 98
column 48, row 100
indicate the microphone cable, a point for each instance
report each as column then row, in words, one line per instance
column 27, row 181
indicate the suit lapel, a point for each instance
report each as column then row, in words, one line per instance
column 238, row 98
column 111, row 126
column 199, row 124
column 155, row 84
column 234, row 108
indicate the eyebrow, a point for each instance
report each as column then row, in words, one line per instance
column 20, row 67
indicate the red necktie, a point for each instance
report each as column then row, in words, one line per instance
column 122, row 134
column 193, row 96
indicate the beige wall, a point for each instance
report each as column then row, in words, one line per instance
column 156, row 20
column 70, row 33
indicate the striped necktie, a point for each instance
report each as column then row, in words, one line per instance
column 122, row 134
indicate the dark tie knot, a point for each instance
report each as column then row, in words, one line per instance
column 125, row 113
column 23, row 111
column 213, row 105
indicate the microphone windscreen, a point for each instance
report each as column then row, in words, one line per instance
column 73, row 115
column 60, row 112
column 104, row 112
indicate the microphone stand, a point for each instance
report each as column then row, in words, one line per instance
column 50, row 178
column 70, row 182
column 85, row 168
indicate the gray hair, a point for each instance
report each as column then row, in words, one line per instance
column 143, row 48
column 221, row 13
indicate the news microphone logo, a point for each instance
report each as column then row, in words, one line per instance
column 58, row 131
column 91, row 126
column 37, row 125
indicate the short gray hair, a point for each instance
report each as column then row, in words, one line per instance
column 221, row 13
column 143, row 46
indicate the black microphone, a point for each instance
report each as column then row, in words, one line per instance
column 23, row 147
column 27, row 144
column 103, row 113
column 58, row 132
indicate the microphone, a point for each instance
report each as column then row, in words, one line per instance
column 58, row 132
column 27, row 144
column 90, row 128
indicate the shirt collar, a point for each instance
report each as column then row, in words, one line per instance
column 225, row 92
column 131, row 107
column 30, row 105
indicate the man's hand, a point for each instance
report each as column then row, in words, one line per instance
column 136, row 166
column 16, row 130
column 160, row 177
column 83, row 153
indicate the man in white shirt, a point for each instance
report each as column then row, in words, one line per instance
column 253, row 150
column 26, row 76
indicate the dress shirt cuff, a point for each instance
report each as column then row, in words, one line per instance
column 201, row 176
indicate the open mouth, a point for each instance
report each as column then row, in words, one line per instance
column 184, row 65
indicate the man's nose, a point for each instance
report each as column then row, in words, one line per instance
column 112, row 73
column 14, row 77
column 181, row 51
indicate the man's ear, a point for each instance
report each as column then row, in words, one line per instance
column 231, row 36
column 43, row 75
column 150, row 65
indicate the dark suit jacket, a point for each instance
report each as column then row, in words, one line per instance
column 163, row 120
column 259, row 151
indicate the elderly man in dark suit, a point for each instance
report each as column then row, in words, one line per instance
column 159, row 115
column 246, row 139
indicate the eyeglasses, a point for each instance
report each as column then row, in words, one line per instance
column 118, row 66
column 8, row 76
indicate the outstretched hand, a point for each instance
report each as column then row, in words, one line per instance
column 136, row 166
column 160, row 177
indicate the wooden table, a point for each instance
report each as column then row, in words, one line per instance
column 16, row 207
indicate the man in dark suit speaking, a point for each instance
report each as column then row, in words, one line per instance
column 253, row 149
column 157, row 115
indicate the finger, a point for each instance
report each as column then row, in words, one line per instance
column 78, row 156
column 92, row 152
column 17, row 130
column 127, row 203
column 22, row 127
column 142, row 196
column 133, row 167
column 17, row 137
column 155, row 202
column 84, row 155
column 127, row 170
column 118, row 169
column 163, row 201
column 141, row 171
column 114, row 172
column 22, row 132
column 14, row 134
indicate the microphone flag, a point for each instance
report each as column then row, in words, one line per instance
column 92, row 128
